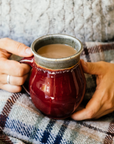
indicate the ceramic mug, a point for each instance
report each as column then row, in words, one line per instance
column 56, row 86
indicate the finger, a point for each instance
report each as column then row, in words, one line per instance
column 13, row 80
column 15, row 47
column 4, row 54
column 90, row 111
column 106, row 108
column 10, row 88
column 18, row 80
column 92, row 68
column 13, row 68
column 103, row 113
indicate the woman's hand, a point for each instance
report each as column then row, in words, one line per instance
column 18, row 72
column 102, row 101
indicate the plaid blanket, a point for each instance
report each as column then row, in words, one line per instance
column 22, row 123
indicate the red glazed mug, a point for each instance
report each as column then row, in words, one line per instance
column 56, row 86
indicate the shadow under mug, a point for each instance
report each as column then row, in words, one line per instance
column 56, row 86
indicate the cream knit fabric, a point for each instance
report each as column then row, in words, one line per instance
column 26, row 20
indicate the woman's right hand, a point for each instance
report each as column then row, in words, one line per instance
column 17, row 72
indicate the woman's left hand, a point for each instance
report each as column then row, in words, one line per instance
column 102, row 102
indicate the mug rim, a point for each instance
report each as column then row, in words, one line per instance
column 56, row 59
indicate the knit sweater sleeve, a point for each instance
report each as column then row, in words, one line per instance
column 26, row 20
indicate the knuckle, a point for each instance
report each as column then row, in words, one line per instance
column 4, row 42
column 20, row 71
column 20, row 46
column 110, row 106
column 5, row 39
column 102, row 64
column 2, row 61
column 21, row 81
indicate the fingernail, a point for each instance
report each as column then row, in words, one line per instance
column 28, row 51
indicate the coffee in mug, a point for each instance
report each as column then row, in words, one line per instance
column 56, row 51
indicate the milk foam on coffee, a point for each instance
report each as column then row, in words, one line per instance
column 56, row 51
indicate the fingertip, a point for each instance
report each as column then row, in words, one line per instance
column 23, row 50
column 78, row 116
column 11, row 88
column 19, row 88
column 15, row 89
column 15, row 47
column 28, row 51
column 73, row 116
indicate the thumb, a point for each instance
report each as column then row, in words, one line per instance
column 90, row 111
column 91, row 67
column 15, row 47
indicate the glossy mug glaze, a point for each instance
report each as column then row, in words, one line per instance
column 56, row 86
